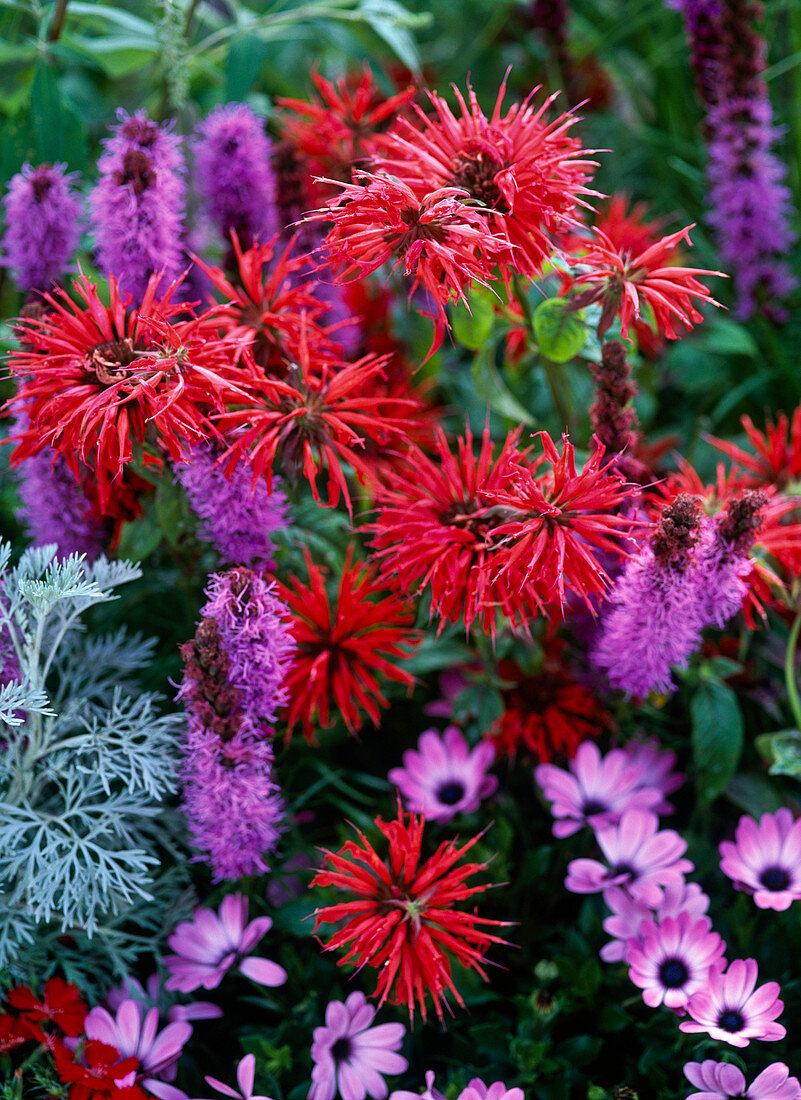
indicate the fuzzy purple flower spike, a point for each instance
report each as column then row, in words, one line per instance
column 137, row 206
column 42, row 224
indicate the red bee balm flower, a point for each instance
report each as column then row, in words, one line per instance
column 343, row 649
column 622, row 281
column 526, row 175
column 94, row 379
column 403, row 922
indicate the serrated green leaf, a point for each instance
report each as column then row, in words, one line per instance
column 717, row 737
column 560, row 333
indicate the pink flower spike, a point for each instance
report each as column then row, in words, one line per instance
column 443, row 776
column 596, row 790
column 639, row 857
column 245, row 1076
column 765, row 859
column 732, row 1010
column 721, row 1081
column 673, row 959
column 211, row 944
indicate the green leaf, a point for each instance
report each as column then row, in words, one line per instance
column 782, row 750
column 472, row 328
column 170, row 510
column 140, row 538
column 491, row 388
column 724, row 337
column 755, row 794
column 717, row 737
column 50, row 116
column 392, row 23
column 245, row 60
column 560, row 333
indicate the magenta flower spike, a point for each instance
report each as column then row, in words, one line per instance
column 765, row 859
column 721, row 1081
column 211, row 944
column 596, row 790
column 638, row 856
column 732, row 1010
column 671, row 960
column 137, row 1036
column 350, row 1057
column 245, row 1077
column 42, row 224
column 54, row 507
column 236, row 515
column 443, row 776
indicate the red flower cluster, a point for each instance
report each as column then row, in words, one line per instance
column 490, row 537
column 344, row 647
column 97, row 380
column 403, row 922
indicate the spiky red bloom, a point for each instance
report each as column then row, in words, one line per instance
column 345, row 647
column 315, row 420
column 403, row 922
column 621, row 281
column 442, row 243
column 547, row 712
column 554, row 526
column 60, row 1002
column 525, row 174
column 95, row 379
column 268, row 304
column 777, row 451
column 434, row 529
column 339, row 129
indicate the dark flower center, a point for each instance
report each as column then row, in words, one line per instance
column 775, row 878
column 476, row 172
column 136, row 172
column 341, row 1050
column 593, row 806
column 623, row 869
column 731, row 1020
column 673, row 973
column 451, row 793
column 41, row 182
column 110, row 360
column 140, row 130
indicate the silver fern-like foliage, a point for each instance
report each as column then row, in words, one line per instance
column 85, row 759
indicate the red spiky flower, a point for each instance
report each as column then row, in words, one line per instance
column 776, row 456
column 345, row 647
column 524, row 173
column 315, row 420
column 339, row 129
column 622, row 282
column 95, row 380
column 443, row 244
column 403, row 921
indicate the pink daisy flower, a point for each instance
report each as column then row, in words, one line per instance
column 350, row 1056
column 765, row 859
column 245, row 1076
column 211, row 944
column 628, row 915
column 721, row 1081
column 672, row 959
column 135, row 1036
column 638, row 856
column 657, row 769
column 732, row 1010
column 596, row 790
column 477, row 1090
column 443, row 777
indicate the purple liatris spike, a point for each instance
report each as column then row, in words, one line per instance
column 656, row 616
column 137, row 206
column 235, row 515
column 42, row 224
column 725, row 561
column 232, row 690
column 234, row 173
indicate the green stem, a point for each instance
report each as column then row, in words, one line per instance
column 789, row 672
column 553, row 374
column 57, row 22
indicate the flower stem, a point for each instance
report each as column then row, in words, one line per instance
column 553, row 375
column 789, row 672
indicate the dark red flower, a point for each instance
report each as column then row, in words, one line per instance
column 60, row 1002
column 403, row 922
column 345, row 647
column 318, row 419
column 622, row 282
column 525, row 174
column 14, row 1032
column 97, row 380
column 339, row 129
column 100, row 1074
